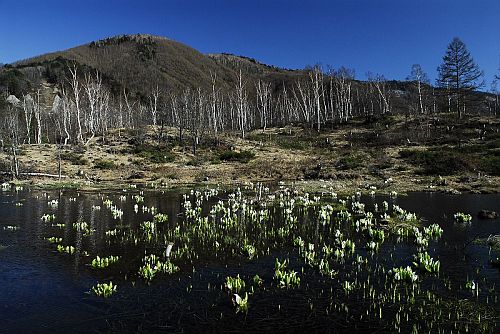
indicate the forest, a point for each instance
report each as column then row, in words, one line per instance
column 84, row 105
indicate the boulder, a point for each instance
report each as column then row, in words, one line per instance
column 487, row 214
column 136, row 176
column 13, row 100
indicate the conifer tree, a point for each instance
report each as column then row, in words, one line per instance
column 459, row 74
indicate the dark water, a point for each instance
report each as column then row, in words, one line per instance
column 44, row 291
column 460, row 257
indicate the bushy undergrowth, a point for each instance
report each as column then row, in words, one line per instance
column 491, row 165
column 243, row 156
column 293, row 142
column 155, row 154
column 74, row 158
column 104, row 164
column 437, row 162
column 447, row 162
column 353, row 160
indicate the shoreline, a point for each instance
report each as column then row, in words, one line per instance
column 399, row 184
column 352, row 157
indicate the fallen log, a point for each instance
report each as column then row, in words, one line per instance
column 36, row 174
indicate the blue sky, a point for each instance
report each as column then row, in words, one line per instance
column 381, row 36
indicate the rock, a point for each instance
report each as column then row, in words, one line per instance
column 13, row 100
column 441, row 181
column 383, row 222
column 313, row 173
column 487, row 214
column 136, row 175
column 375, row 171
column 465, row 179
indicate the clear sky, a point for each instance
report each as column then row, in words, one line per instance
column 381, row 36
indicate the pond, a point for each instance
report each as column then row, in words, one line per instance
column 251, row 259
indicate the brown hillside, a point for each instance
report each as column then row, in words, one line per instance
column 140, row 62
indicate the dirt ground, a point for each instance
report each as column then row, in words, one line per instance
column 292, row 154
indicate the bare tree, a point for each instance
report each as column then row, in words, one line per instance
column 75, row 86
column 28, row 108
column 184, row 111
column 61, row 111
column 153, row 104
column 241, row 104
column 198, row 110
column 288, row 108
column 264, row 100
column 216, row 104
column 38, row 117
column 130, row 107
column 316, row 78
column 303, row 97
column 419, row 79
column 98, row 102
column 496, row 92
column 379, row 86
column 13, row 125
column 341, row 92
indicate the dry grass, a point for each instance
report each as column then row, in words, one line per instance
column 319, row 161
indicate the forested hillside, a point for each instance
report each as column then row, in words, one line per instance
column 130, row 81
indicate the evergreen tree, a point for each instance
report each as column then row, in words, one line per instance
column 459, row 74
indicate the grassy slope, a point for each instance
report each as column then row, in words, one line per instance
column 390, row 154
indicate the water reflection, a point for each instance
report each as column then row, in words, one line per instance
column 39, row 286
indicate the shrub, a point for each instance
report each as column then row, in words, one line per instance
column 243, row 156
column 491, row 165
column 292, row 143
column 437, row 162
column 353, row 160
column 409, row 154
column 74, row 158
column 197, row 161
column 154, row 154
column 104, row 164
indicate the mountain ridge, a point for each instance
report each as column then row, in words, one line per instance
column 138, row 63
column 131, row 61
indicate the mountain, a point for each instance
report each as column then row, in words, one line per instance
column 138, row 63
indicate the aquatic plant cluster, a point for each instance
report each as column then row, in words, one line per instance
column 104, row 289
column 461, row 217
column 360, row 262
column 104, row 262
